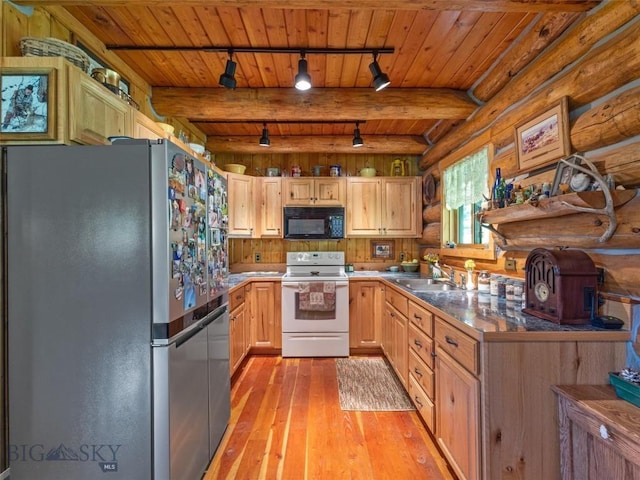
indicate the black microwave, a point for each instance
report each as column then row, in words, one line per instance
column 313, row 223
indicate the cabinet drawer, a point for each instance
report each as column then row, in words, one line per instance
column 422, row 373
column 421, row 317
column 458, row 345
column 398, row 300
column 236, row 298
column 421, row 344
column 425, row 407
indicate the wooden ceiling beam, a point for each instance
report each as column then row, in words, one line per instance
column 288, row 104
column 476, row 5
column 373, row 144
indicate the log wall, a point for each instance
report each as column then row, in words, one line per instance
column 596, row 64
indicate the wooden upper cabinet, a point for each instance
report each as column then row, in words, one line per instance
column 269, row 203
column 241, row 205
column 316, row 191
column 383, row 206
column 143, row 127
column 95, row 113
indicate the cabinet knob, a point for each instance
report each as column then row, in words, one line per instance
column 418, row 402
column 417, row 343
column 604, row 432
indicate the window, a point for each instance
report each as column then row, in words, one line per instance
column 466, row 188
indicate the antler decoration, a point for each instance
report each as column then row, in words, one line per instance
column 608, row 209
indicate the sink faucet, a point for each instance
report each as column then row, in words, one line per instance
column 451, row 275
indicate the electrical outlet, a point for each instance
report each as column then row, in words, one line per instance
column 401, row 256
column 510, row 264
column 257, row 257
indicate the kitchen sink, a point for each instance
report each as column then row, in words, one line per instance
column 426, row 284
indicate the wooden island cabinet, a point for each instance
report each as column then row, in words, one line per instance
column 599, row 433
column 487, row 395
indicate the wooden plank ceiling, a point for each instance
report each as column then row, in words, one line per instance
column 444, row 51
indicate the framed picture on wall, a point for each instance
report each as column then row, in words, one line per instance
column 382, row 249
column 27, row 108
column 564, row 175
column 543, row 139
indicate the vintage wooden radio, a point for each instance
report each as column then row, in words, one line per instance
column 560, row 285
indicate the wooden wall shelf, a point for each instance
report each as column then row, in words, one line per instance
column 557, row 206
column 579, row 220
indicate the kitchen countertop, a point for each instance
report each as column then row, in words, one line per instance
column 482, row 314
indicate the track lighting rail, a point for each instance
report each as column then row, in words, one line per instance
column 234, row 50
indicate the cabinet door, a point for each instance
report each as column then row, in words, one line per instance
column 401, row 347
column 363, row 207
column 237, row 336
column 298, row 191
column 270, row 207
column 240, row 197
column 144, row 127
column 329, row 191
column 266, row 330
column 400, row 214
column 365, row 318
column 457, row 414
column 95, row 113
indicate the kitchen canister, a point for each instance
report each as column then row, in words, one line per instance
column 484, row 282
column 334, row 170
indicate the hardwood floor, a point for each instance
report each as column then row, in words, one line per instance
column 286, row 423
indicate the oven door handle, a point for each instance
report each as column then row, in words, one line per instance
column 339, row 283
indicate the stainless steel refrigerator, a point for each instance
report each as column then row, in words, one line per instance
column 117, row 299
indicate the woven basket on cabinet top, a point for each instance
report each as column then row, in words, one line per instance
column 52, row 47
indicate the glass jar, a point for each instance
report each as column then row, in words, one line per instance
column 493, row 285
column 502, row 287
column 518, row 287
column 509, row 291
column 484, row 282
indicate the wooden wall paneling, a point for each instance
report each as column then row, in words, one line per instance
column 432, row 213
column 571, row 46
column 620, row 161
column 431, row 234
column 612, row 121
column 548, row 27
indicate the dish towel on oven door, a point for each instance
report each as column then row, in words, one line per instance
column 317, row 296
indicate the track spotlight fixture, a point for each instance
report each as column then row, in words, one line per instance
column 380, row 79
column 264, row 140
column 357, row 139
column 302, row 80
column 227, row 79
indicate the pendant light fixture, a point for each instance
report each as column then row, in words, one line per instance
column 357, row 139
column 227, row 79
column 264, row 140
column 302, row 80
column 380, row 79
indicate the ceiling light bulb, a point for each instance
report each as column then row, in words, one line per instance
column 380, row 79
column 264, row 140
column 303, row 80
column 227, row 78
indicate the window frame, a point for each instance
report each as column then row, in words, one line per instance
column 449, row 226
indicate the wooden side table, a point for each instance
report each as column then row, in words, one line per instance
column 599, row 434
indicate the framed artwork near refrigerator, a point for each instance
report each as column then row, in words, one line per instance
column 27, row 108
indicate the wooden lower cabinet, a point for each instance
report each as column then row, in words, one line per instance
column 487, row 396
column 239, row 338
column 599, row 434
column 396, row 344
column 265, row 299
column 365, row 315
column 458, row 416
